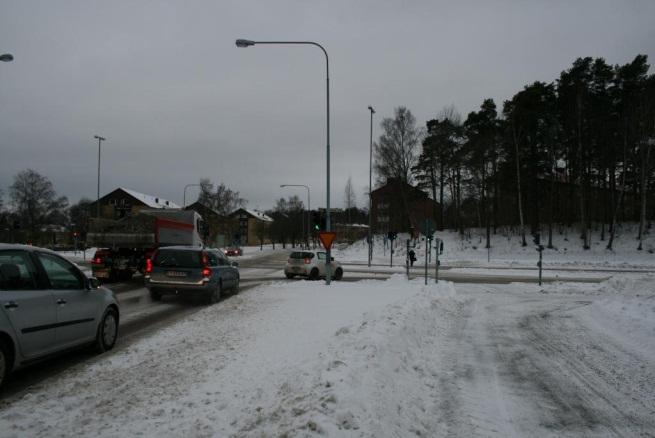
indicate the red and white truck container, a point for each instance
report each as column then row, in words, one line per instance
column 124, row 245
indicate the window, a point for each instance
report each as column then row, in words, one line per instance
column 177, row 258
column 321, row 255
column 222, row 260
column 213, row 260
column 62, row 274
column 301, row 255
column 17, row 271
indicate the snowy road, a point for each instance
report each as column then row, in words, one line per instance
column 374, row 358
column 525, row 365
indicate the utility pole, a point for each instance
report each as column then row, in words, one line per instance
column 370, row 192
column 100, row 139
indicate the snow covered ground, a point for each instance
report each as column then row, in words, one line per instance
column 506, row 250
column 376, row 359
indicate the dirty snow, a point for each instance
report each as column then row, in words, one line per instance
column 372, row 358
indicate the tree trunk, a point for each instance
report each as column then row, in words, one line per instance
column 618, row 203
column 441, row 183
column 518, row 187
column 645, row 155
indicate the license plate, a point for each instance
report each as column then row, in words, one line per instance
column 176, row 274
column 101, row 274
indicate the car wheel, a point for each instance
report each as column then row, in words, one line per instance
column 107, row 331
column 215, row 295
column 156, row 296
column 313, row 274
column 338, row 274
column 5, row 361
column 289, row 275
column 235, row 290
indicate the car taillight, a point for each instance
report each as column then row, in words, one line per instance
column 308, row 261
column 148, row 266
column 206, row 272
column 96, row 261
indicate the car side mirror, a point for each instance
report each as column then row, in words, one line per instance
column 92, row 283
column 235, row 264
column 331, row 259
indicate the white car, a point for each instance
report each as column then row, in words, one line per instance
column 311, row 264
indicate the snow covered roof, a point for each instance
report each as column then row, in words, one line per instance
column 256, row 214
column 259, row 215
column 149, row 200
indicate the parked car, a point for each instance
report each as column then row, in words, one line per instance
column 311, row 264
column 233, row 251
column 191, row 271
column 47, row 306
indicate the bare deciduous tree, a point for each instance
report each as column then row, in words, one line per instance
column 222, row 199
column 35, row 201
column 396, row 151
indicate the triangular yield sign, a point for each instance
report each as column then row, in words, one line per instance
column 326, row 238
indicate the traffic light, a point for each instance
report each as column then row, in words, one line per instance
column 537, row 239
column 318, row 220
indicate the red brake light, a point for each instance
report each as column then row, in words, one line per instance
column 148, row 266
column 206, row 272
column 308, row 260
column 96, row 261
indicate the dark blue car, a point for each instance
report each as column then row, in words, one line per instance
column 191, row 271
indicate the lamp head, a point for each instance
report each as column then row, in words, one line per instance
column 6, row 57
column 244, row 43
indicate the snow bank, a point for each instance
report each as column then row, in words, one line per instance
column 287, row 358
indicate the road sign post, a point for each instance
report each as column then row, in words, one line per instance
column 438, row 245
column 407, row 259
column 326, row 238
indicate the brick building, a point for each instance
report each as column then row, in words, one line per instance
column 397, row 206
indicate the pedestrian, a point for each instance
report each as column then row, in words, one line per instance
column 412, row 257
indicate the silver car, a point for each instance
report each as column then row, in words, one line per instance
column 311, row 264
column 48, row 305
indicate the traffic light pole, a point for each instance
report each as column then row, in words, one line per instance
column 407, row 259
column 426, row 254
column 437, row 247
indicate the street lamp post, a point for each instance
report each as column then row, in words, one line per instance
column 100, row 139
column 247, row 43
column 6, row 57
column 370, row 191
column 184, row 197
column 309, row 207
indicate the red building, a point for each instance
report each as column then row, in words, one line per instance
column 398, row 206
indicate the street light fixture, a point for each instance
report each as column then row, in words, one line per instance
column 309, row 208
column 247, row 43
column 184, row 198
column 100, row 139
column 370, row 191
column 6, row 57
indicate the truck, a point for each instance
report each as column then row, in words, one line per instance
column 124, row 245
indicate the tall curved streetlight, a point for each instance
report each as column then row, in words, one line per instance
column 370, row 192
column 247, row 43
column 309, row 208
column 100, row 139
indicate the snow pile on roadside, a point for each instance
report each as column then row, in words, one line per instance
column 376, row 378
column 627, row 311
column 286, row 358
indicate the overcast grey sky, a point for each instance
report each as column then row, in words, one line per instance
column 164, row 82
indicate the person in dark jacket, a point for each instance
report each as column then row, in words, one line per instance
column 412, row 257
